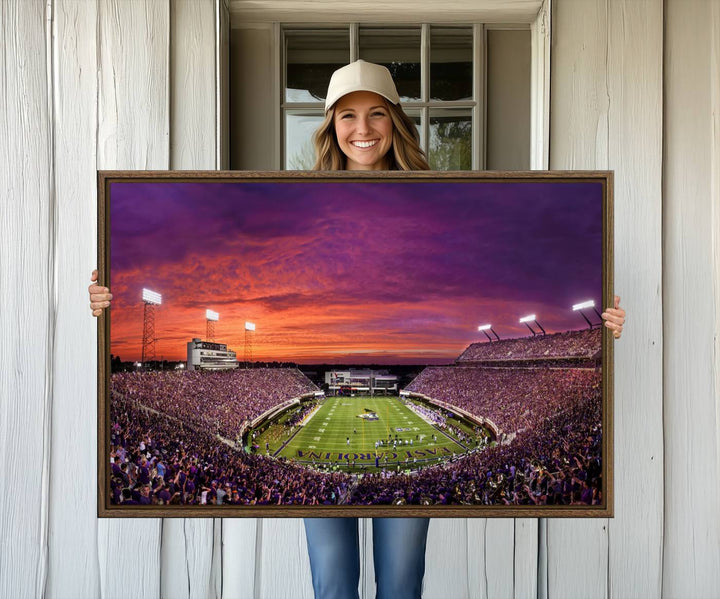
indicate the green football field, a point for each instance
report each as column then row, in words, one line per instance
column 336, row 434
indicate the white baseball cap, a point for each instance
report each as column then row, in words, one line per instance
column 361, row 76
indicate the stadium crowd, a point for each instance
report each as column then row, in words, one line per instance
column 157, row 460
column 167, row 444
column 219, row 402
column 557, row 463
column 575, row 344
column 513, row 399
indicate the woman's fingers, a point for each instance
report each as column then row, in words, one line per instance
column 99, row 296
column 615, row 318
column 614, row 322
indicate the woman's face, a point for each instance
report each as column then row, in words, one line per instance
column 364, row 130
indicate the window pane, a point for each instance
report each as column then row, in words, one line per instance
column 451, row 55
column 450, row 140
column 311, row 58
column 299, row 149
column 398, row 50
column 414, row 115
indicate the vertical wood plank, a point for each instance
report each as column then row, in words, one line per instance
column 526, row 546
column 692, row 397
column 476, row 563
column 133, row 126
column 282, row 569
column 27, row 307
column 577, row 550
column 187, row 543
column 447, row 559
column 193, row 85
column 579, row 97
column 216, row 568
column 73, row 561
column 542, row 564
column 500, row 557
column 635, row 87
column 491, row 566
column 240, row 558
column 577, row 558
column 187, row 558
column 133, row 132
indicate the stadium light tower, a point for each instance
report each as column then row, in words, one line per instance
column 150, row 299
column 488, row 327
column 584, row 306
column 212, row 318
column 249, row 331
column 531, row 318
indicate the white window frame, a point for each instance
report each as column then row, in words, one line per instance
column 536, row 16
column 476, row 107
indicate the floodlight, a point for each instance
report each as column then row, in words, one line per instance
column 151, row 297
column 583, row 306
column 210, row 315
column 249, row 326
column 531, row 318
column 488, row 327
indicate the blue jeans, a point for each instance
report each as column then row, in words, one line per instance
column 398, row 552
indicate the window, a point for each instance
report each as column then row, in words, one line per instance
column 467, row 87
column 434, row 68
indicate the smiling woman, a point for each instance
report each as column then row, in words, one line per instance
column 365, row 128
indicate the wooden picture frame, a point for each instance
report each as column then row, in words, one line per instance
column 369, row 289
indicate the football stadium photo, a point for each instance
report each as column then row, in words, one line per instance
column 356, row 343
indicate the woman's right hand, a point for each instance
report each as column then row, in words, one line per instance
column 99, row 296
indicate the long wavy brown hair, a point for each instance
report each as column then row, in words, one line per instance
column 405, row 153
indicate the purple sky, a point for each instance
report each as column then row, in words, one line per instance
column 393, row 272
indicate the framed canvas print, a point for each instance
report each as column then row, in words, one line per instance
column 355, row 344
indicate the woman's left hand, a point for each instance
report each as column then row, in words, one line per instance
column 615, row 318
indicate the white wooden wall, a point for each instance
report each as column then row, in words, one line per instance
column 606, row 112
column 691, row 292
column 635, row 87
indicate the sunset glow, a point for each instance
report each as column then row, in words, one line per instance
column 348, row 272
